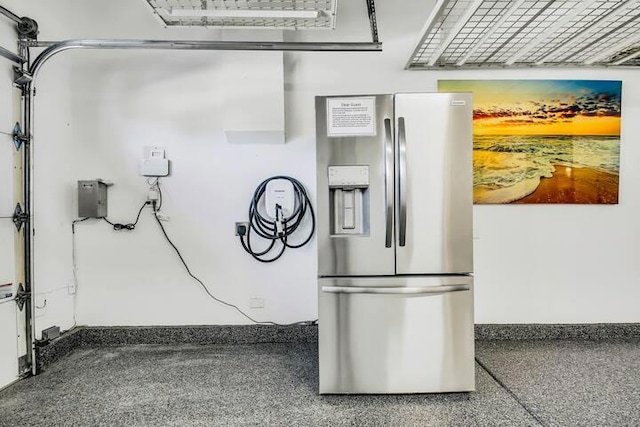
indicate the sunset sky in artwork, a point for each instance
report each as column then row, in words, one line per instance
column 542, row 107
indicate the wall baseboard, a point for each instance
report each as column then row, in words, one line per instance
column 109, row 336
column 581, row 331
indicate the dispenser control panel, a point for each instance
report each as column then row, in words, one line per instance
column 349, row 176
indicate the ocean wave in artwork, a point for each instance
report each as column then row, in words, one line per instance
column 509, row 167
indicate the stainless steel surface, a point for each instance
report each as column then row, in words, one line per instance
column 388, row 183
column 408, row 328
column 395, row 290
column 365, row 254
column 348, row 212
column 402, row 181
column 11, row 56
column 438, row 185
column 92, row 199
column 398, row 343
column 199, row 45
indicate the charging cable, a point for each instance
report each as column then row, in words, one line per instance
column 156, row 209
column 156, row 205
column 129, row 226
column 280, row 228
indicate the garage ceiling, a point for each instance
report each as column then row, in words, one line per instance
column 529, row 33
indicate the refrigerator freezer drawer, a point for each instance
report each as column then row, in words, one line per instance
column 396, row 335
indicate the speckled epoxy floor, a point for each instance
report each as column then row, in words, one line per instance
column 570, row 382
column 531, row 383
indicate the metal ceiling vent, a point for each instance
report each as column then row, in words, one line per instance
column 523, row 33
column 273, row 14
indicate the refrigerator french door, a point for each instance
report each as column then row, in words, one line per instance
column 395, row 243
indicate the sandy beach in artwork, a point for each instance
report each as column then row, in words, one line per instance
column 544, row 141
column 546, row 169
column 575, row 185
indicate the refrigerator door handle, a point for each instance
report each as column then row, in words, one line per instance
column 428, row 290
column 402, row 184
column 388, row 182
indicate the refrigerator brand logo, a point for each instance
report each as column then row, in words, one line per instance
column 458, row 103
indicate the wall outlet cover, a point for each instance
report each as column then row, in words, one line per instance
column 256, row 302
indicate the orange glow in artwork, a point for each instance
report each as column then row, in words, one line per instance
column 544, row 141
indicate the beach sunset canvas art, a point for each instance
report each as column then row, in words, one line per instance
column 544, row 141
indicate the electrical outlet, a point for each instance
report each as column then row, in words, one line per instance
column 153, row 196
column 256, row 302
column 71, row 288
column 240, row 226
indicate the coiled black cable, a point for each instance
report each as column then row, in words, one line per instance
column 279, row 229
column 130, row 226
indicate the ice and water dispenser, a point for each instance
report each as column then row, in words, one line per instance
column 349, row 199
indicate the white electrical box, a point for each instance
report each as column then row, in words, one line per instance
column 154, row 162
column 279, row 192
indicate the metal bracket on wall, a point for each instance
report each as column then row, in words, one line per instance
column 19, row 137
column 19, row 217
column 22, row 296
column 26, row 43
column 371, row 9
column 21, row 77
column 24, row 369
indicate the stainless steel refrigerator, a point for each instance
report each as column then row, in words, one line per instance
column 395, row 252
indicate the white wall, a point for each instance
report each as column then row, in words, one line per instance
column 96, row 110
column 533, row 263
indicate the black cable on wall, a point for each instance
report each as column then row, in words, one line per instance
column 279, row 229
